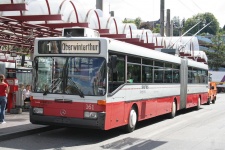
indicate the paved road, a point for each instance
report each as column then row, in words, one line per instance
column 196, row 130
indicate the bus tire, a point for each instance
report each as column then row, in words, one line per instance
column 132, row 121
column 199, row 104
column 172, row 114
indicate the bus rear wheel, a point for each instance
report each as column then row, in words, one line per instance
column 172, row 114
column 132, row 121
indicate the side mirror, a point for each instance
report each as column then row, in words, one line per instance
column 113, row 62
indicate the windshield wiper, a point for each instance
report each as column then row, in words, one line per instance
column 80, row 92
column 71, row 82
column 54, row 84
column 45, row 92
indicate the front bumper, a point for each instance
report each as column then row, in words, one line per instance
column 98, row 123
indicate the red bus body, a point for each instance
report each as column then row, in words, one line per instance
column 114, row 102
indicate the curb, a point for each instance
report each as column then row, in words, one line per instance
column 18, row 134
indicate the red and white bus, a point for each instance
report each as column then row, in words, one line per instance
column 102, row 83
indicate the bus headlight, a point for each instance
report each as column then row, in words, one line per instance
column 37, row 110
column 90, row 115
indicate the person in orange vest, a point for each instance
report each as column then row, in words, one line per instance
column 4, row 90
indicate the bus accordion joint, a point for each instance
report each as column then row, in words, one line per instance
column 101, row 102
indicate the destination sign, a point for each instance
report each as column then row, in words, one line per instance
column 90, row 47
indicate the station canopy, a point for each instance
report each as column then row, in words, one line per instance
column 21, row 21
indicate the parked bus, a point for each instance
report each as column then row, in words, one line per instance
column 102, row 83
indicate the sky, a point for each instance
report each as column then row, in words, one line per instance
column 149, row 10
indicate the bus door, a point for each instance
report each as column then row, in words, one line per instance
column 183, row 83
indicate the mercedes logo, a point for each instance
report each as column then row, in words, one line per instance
column 62, row 112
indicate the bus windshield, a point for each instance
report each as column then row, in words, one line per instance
column 70, row 75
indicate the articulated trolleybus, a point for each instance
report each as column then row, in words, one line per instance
column 82, row 80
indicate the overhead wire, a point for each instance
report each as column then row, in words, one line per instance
column 134, row 6
column 197, row 6
column 186, row 6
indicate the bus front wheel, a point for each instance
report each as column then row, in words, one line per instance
column 132, row 120
column 198, row 104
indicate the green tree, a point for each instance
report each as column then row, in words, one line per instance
column 205, row 18
column 156, row 29
column 216, row 53
column 126, row 20
column 136, row 21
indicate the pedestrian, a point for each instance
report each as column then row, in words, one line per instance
column 26, row 95
column 4, row 90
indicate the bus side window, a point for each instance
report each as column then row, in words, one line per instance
column 116, row 75
column 134, row 67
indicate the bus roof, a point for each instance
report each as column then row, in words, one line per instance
column 127, row 48
column 197, row 64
